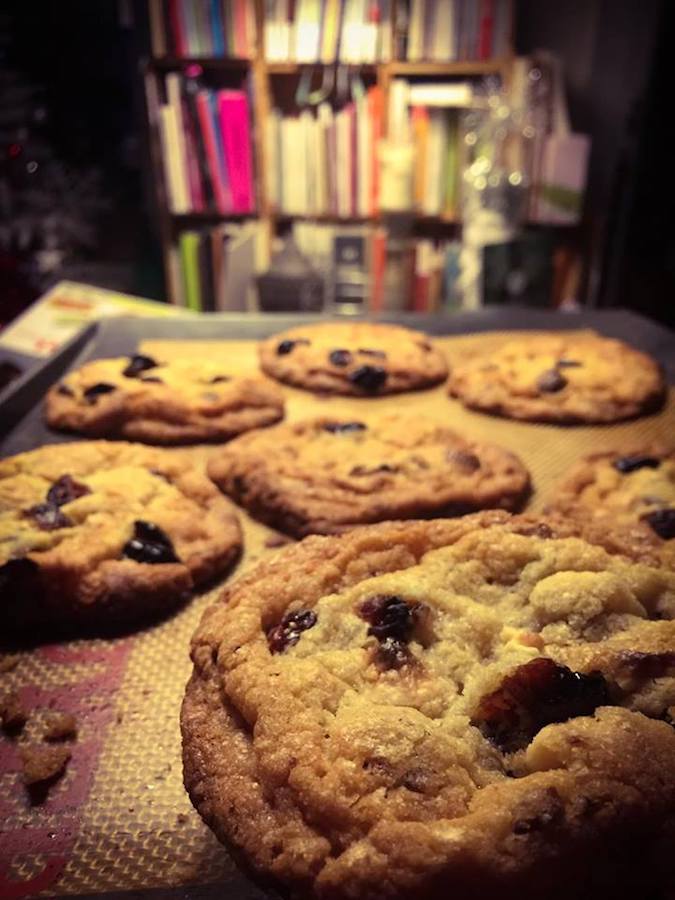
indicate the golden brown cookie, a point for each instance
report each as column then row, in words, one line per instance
column 326, row 475
column 633, row 491
column 356, row 358
column 99, row 534
column 183, row 401
column 563, row 377
column 474, row 707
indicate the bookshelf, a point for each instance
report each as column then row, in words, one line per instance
column 273, row 83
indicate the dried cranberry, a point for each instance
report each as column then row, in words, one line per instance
column 551, row 381
column 389, row 616
column 536, row 694
column 48, row 517
column 343, row 427
column 373, row 470
column 137, row 364
column 568, row 364
column 64, row 390
column 150, row 545
column 369, row 378
column 287, row 346
column 92, row 393
column 218, row 378
column 380, row 354
column 65, row 490
column 662, row 521
column 631, row 463
column 288, row 631
column 340, row 357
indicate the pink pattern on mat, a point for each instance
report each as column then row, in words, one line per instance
column 50, row 829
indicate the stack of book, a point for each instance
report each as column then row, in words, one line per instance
column 327, row 31
column 447, row 30
column 206, row 148
column 203, row 28
column 324, row 162
column 218, row 266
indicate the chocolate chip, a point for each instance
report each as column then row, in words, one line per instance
column 426, row 346
column 388, row 616
column 217, row 379
column 92, row 393
column 392, row 653
column 551, row 381
column 65, row 490
column 568, row 364
column 150, row 545
column 534, row 695
column 662, row 521
column 368, row 378
column 647, row 665
column 340, row 357
column 380, row 354
column 287, row 346
column 373, row 470
column 48, row 517
column 463, row 460
column 552, row 814
column 343, row 427
column 64, row 390
column 154, row 379
column 137, row 364
column 631, row 463
column 288, row 631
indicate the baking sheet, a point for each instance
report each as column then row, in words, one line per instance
column 120, row 818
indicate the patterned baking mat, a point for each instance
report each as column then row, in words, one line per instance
column 120, row 819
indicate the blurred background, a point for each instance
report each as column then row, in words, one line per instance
column 429, row 155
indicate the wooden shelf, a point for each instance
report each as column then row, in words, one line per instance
column 379, row 217
column 206, row 62
column 468, row 67
column 292, row 68
column 211, row 216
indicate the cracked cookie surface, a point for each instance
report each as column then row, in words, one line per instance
column 326, row 475
column 98, row 533
column 563, row 377
column 356, row 358
column 183, row 401
column 472, row 707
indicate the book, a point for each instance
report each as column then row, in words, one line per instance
column 188, row 243
column 205, row 269
column 416, row 31
column 233, row 115
column 173, row 175
column 447, row 93
column 173, row 90
column 443, row 46
column 485, row 26
column 212, row 151
column 158, row 40
column 434, row 176
column 233, row 290
column 375, row 113
column 420, row 129
column 217, row 27
column 178, row 27
column 379, row 262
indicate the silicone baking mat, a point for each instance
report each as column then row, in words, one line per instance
column 120, row 819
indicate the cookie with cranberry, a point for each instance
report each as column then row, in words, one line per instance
column 99, row 534
column 186, row 400
column 565, row 377
column 327, row 475
column 357, row 358
column 633, row 490
column 477, row 707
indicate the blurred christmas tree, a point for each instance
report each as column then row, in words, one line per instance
column 48, row 208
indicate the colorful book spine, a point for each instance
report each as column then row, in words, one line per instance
column 212, row 150
column 189, row 259
column 178, row 27
column 235, row 132
column 217, row 28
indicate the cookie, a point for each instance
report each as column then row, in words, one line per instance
column 326, row 475
column 355, row 358
column 565, row 377
column 468, row 708
column 633, row 490
column 179, row 402
column 100, row 534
